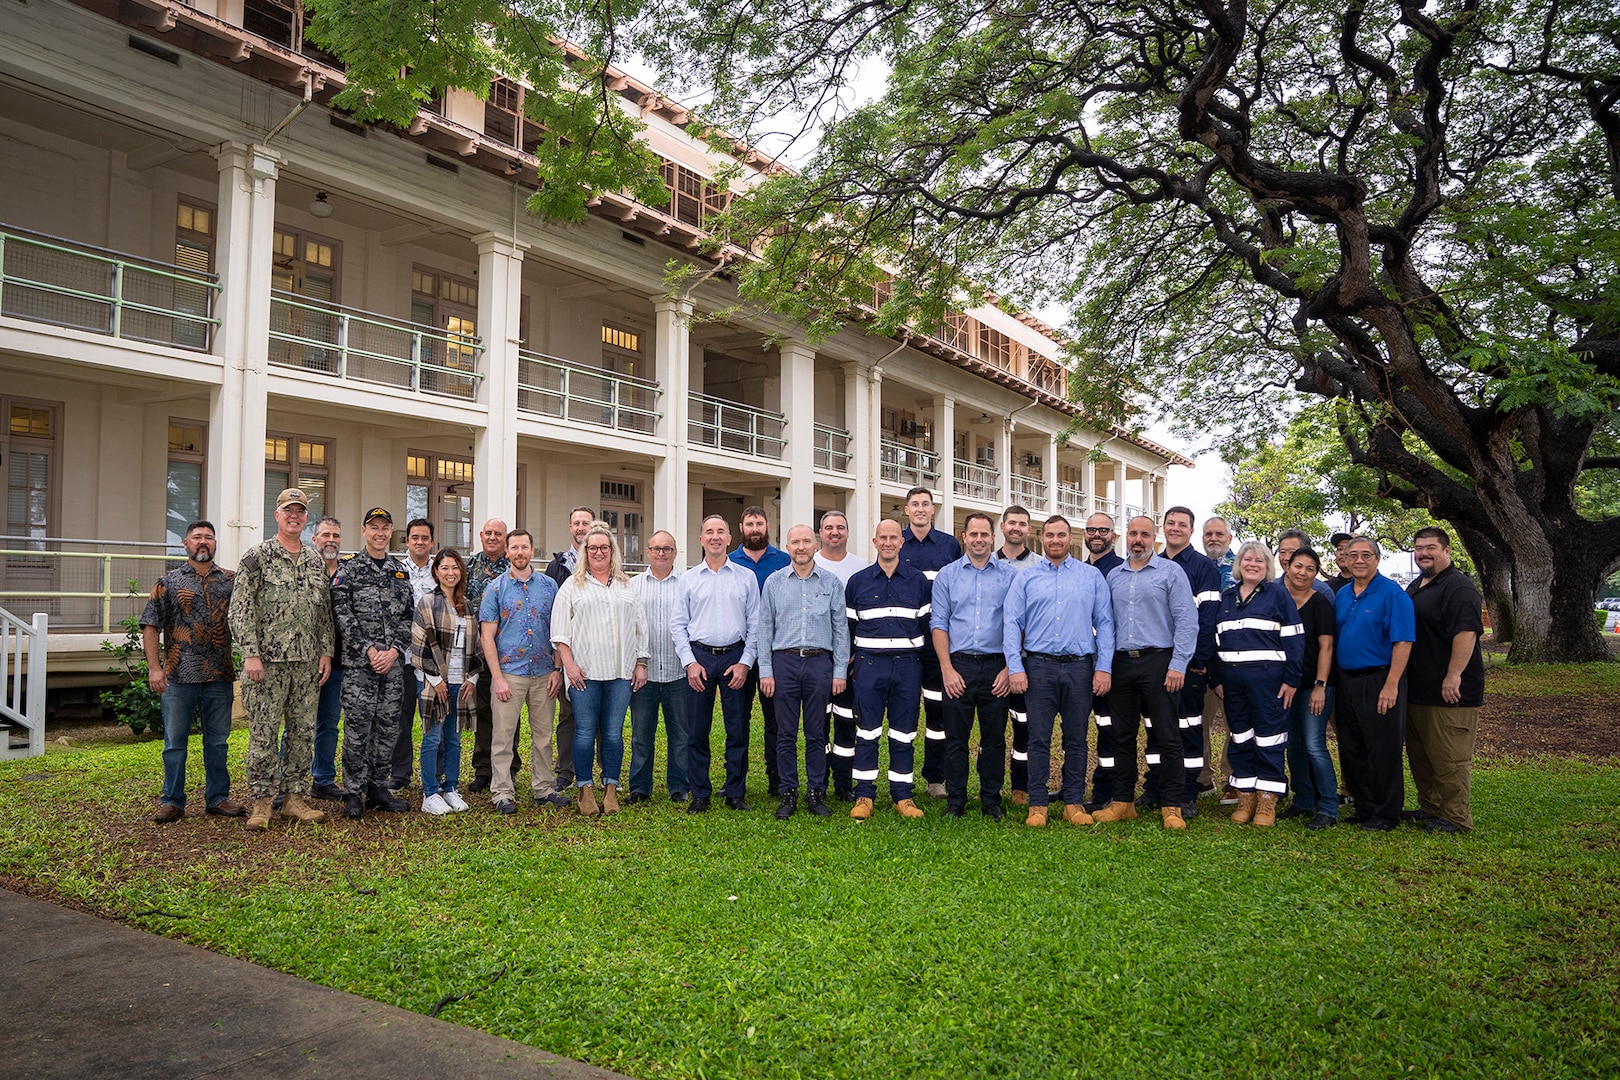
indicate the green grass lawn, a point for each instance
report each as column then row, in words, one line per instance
column 660, row 944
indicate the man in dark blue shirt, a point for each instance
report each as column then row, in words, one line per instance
column 1205, row 580
column 1100, row 540
column 762, row 558
column 929, row 550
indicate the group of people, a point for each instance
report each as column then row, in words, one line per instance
column 843, row 656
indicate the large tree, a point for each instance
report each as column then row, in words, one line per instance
column 1409, row 209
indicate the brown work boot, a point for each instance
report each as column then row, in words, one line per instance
column 1075, row 814
column 610, row 798
column 1172, row 817
column 908, row 809
column 260, row 817
column 1036, row 818
column 296, row 808
column 1265, row 810
column 862, row 809
column 1115, row 811
column 1245, row 811
column 1020, row 798
column 226, row 808
column 168, row 813
column 587, row 802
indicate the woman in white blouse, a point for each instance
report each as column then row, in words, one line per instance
column 600, row 634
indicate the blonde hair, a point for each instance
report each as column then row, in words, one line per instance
column 615, row 570
column 1265, row 552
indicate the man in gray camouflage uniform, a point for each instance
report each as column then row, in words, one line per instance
column 372, row 603
column 281, row 620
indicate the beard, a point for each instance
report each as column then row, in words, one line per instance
column 202, row 555
column 329, row 551
column 756, row 541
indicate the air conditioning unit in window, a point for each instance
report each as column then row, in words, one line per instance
column 986, row 456
column 913, row 429
column 1032, row 461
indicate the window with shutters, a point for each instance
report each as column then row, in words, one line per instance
column 194, row 250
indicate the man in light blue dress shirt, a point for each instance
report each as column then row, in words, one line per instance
column 1058, row 640
column 665, row 689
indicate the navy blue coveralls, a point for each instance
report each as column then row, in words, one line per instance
column 890, row 619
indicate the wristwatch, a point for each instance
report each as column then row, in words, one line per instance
column 1319, row 682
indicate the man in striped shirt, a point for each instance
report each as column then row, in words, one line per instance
column 889, row 603
column 666, row 679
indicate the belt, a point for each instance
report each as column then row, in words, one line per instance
column 1137, row 654
column 1056, row 658
column 717, row 649
column 804, row 652
column 975, row 656
column 1360, row 672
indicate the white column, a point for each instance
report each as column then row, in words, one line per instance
column 1121, row 515
column 863, row 439
column 799, row 405
column 247, row 221
column 1049, row 473
column 500, row 298
column 945, row 447
column 672, row 358
column 1088, row 480
column 1004, row 461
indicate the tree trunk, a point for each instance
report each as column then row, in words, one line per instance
column 1495, row 569
column 1554, row 598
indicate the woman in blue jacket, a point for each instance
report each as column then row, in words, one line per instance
column 1259, row 654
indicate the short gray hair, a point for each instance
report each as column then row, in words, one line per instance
column 1265, row 553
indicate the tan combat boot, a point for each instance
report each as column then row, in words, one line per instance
column 1245, row 810
column 1115, row 811
column 1020, row 798
column 296, row 808
column 1265, row 810
column 259, row 817
column 587, row 801
column 1075, row 814
column 1036, row 818
column 862, row 809
column 610, row 799
column 908, row 809
column 1172, row 817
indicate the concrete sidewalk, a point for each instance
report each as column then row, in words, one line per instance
column 82, row 997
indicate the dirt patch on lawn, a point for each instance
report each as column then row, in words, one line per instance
column 1569, row 726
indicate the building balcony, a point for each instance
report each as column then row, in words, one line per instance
column 361, row 346
column 908, row 465
column 1133, row 511
column 739, row 428
column 575, row 393
column 1109, row 507
column 47, row 279
column 1030, row 492
column 833, row 448
column 1071, row 502
column 981, row 482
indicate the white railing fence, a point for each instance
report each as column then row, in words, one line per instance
column 22, row 685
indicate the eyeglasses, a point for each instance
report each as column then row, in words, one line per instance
column 598, row 549
column 1356, row 556
column 660, row 549
column 1098, row 532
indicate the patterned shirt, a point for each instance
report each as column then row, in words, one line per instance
column 602, row 625
column 422, row 583
column 192, row 611
column 521, row 611
column 281, row 607
column 481, row 570
column 658, row 604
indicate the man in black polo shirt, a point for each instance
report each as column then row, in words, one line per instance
column 927, row 549
column 1446, row 685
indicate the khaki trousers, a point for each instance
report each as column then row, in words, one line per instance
column 1440, row 751
column 504, row 716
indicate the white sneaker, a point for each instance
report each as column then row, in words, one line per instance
column 454, row 801
column 435, row 805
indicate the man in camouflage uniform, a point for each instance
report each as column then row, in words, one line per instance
column 281, row 620
column 372, row 603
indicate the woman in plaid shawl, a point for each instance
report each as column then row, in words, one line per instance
column 444, row 649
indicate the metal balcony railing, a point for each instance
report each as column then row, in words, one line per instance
column 1030, row 492
column 22, row 684
column 731, row 425
column 1071, row 502
column 978, row 481
column 47, row 279
column 362, row 346
column 908, row 465
column 832, row 448
column 1109, row 507
column 1133, row 511
column 81, row 584
column 563, row 390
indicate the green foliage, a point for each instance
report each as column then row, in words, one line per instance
column 132, row 702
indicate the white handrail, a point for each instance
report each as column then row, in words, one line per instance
column 22, row 682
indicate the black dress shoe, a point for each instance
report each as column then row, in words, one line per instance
column 1440, row 825
column 636, row 797
column 1189, row 810
column 1294, row 810
column 1417, row 817
column 992, row 811
column 786, row 808
column 678, row 796
column 1322, row 821
column 328, row 792
column 736, row 804
column 844, row 795
column 379, row 798
column 955, row 811
column 815, row 800
column 700, row 805
column 1378, row 824
column 1146, row 802
column 354, row 806
column 1359, row 817
column 773, row 786
column 479, row 783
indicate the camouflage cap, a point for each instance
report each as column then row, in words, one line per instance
column 292, row 497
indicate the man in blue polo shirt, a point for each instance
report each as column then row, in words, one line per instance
column 929, row 550
column 1376, row 631
column 756, row 554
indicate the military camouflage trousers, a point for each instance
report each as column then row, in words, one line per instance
column 290, row 692
column 370, row 725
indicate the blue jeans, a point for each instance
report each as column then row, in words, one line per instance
column 326, row 729
column 182, row 701
column 644, row 706
column 450, row 735
column 600, row 705
column 1310, row 766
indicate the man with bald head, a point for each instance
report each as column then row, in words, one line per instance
column 484, row 566
column 665, row 688
column 803, row 661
